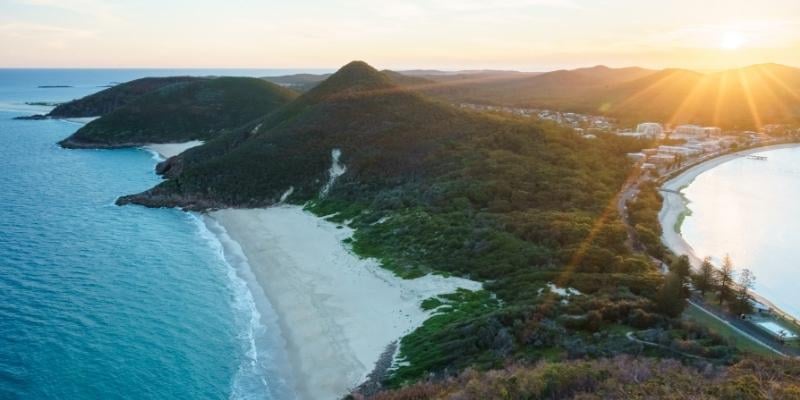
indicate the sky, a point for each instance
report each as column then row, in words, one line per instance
column 529, row 35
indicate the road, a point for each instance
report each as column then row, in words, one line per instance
column 744, row 328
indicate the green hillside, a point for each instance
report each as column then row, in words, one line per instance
column 108, row 100
column 510, row 202
column 196, row 110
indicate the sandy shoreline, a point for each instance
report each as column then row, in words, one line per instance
column 337, row 312
column 167, row 150
column 676, row 204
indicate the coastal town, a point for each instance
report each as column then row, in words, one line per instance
column 674, row 146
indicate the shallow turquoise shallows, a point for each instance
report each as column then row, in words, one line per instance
column 106, row 302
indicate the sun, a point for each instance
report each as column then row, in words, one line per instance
column 732, row 40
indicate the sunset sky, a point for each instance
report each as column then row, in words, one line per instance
column 531, row 35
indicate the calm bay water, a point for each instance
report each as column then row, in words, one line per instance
column 748, row 209
column 106, row 302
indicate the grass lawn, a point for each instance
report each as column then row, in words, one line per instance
column 741, row 342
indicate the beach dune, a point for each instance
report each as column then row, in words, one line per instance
column 337, row 312
column 167, row 150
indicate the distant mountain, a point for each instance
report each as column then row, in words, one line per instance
column 298, row 82
column 197, row 109
column 744, row 98
column 435, row 72
column 108, row 100
column 304, row 82
column 533, row 89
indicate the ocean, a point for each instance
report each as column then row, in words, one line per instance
column 748, row 208
column 105, row 302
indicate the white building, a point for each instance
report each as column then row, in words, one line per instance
column 661, row 159
column 637, row 135
column 636, row 157
column 651, row 129
column 712, row 131
column 689, row 131
column 684, row 151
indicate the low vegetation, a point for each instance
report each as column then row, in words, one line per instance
column 620, row 378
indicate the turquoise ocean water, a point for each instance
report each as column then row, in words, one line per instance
column 106, row 302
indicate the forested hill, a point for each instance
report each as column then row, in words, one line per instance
column 193, row 110
column 305, row 82
column 554, row 89
column 742, row 98
column 108, row 100
column 429, row 187
column 387, row 135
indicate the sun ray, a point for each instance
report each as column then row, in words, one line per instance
column 686, row 103
column 751, row 103
column 722, row 93
column 769, row 92
column 774, row 79
column 608, row 212
column 650, row 88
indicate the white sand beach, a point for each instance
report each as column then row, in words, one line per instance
column 80, row 120
column 337, row 312
column 675, row 203
column 167, row 150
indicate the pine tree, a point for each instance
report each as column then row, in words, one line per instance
column 671, row 298
column 741, row 303
column 705, row 279
column 725, row 280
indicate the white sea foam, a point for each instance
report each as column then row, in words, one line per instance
column 259, row 375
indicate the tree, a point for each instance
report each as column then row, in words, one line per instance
column 725, row 280
column 705, row 279
column 681, row 266
column 671, row 298
column 741, row 303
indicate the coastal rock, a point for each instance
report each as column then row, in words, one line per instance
column 170, row 168
column 35, row 117
column 157, row 199
column 75, row 143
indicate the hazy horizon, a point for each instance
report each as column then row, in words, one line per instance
column 330, row 69
column 524, row 35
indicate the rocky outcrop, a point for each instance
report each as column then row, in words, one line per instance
column 35, row 117
column 152, row 199
column 74, row 143
column 170, row 168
